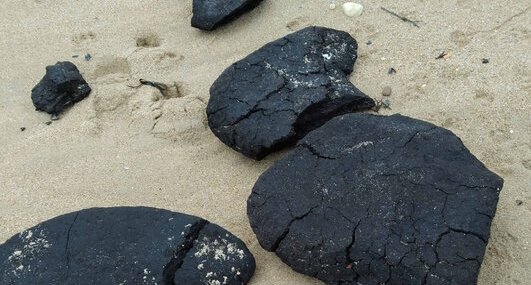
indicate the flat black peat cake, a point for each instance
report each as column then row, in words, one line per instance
column 110, row 246
column 370, row 200
column 279, row 93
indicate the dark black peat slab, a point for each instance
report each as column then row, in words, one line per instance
column 373, row 200
column 109, row 246
column 210, row 14
column 284, row 90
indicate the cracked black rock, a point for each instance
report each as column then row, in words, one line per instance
column 61, row 87
column 279, row 93
column 125, row 246
column 377, row 200
column 209, row 14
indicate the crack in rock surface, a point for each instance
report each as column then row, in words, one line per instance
column 125, row 245
column 210, row 14
column 282, row 91
column 369, row 199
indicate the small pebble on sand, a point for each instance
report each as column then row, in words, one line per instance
column 386, row 104
column 485, row 61
column 332, row 6
column 391, row 71
column 387, row 91
column 352, row 9
column 22, row 129
column 519, row 202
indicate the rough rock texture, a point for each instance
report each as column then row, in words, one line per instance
column 60, row 88
column 125, row 246
column 287, row 88
column 209, row 14
column 378, row 200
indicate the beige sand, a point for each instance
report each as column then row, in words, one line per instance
column 123, row 147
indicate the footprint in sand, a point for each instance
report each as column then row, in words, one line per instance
column 83, row 37
column 148, row 40
column 298, row 23
column 527, row 164
column 181, row 120
column 160, row 105
column 111, row 65
column 459, row 38
column 108, row 75
column 484, row 95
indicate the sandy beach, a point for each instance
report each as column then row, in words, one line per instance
column 127, row 146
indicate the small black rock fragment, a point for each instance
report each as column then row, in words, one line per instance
column 373, row 200
column 209, row 14
column 88, row 57
column 519, row 202
column 442, row 55
column 48, row 123
column 125, row 245
column 22, row 129
column 60, row 88
column 279, row 93
column 485, row 60
column 391, row 71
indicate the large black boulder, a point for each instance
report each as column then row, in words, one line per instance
column 279, row 93
column 370, row 200
column 125, row 246
column 61, row 87
column 209, row 14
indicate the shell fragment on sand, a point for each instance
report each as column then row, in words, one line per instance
column 352, row 9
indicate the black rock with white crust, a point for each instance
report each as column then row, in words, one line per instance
column 109, row 246
column 280, row 92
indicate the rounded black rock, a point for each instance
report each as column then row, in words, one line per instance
column 285, row 89
column 377, row 200
column 125, row 245
column 210, row 14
